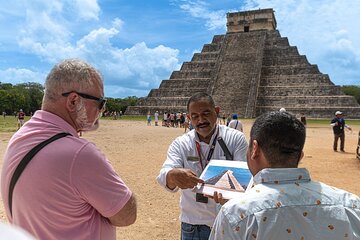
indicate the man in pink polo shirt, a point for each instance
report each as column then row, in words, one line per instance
column 69, row 190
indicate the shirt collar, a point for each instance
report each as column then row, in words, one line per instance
column 55, row 120
column 217, row 130
column 282, row 175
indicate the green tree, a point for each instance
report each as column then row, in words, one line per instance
column 353, row 91
column 26, row 96
column 118, row 104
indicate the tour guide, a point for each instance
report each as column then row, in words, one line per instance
column 187, row 157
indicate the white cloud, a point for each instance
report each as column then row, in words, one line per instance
column 147, row 65
column 198, row 9
column 21, row 75
column 138, row 67
column 118, row 23
column 49, row 36
column 88, row 9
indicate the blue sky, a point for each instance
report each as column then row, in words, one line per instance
column 136, row 44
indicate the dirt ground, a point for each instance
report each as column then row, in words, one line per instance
column 137, row 152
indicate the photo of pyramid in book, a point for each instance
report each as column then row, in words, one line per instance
column 231, row 179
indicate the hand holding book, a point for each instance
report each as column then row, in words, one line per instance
column 228, row 178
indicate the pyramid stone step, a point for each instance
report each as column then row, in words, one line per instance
column 300, row 90
column 217, row 39
column 305, row 79
column 176, row 92
column 281, row 52
column 289, row 60
column 212, row 47
column 165, row 101
column 198, row 66
column 277, row 43
column 184, row 83
column 286, row 70
column 207, row 56
column 275, row 34
column 191, row 74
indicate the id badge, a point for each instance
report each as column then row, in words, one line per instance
column 193, row 159
column 201, row 198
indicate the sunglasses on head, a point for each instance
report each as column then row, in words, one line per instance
column 101, row 101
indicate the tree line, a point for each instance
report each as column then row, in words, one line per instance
column 28, row 97
column 352, row 91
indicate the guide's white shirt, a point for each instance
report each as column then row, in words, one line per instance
column 184, row 149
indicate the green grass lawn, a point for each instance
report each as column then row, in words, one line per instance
column 9, row 124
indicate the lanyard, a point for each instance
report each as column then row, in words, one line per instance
column 211, row 151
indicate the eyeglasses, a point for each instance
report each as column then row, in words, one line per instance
column 101, row 101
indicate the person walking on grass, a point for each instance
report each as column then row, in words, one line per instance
column 338, row 126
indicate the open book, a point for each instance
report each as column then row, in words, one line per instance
column 230, row 178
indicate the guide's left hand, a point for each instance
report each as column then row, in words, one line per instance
column 218, row 198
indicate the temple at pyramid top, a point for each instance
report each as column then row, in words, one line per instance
column 251, row 20
column 249, row 70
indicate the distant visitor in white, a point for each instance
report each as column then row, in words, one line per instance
column 235, row 123
column 338, row 125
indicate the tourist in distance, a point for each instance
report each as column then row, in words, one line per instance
column 187, row 157
column 235, row 123
column 156, row 118
column 284, row 202
column 303, row 118
column 338, row 126
column 148, row 119
column 21, row 118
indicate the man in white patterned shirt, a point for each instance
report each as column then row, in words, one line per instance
column 284, row 203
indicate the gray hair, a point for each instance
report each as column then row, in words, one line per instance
column 69, row 75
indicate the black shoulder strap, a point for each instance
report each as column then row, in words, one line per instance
column 227, row 153
column 237, row 122
column 24, row 162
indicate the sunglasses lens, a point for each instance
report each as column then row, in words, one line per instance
column 102, row 104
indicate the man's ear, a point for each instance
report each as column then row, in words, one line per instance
column 301, row 156
column 255, row 150
column 258, row 157
column 71, row 102
column 217, row 109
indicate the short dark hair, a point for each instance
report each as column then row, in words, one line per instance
column 200, row 96
column 281, row 137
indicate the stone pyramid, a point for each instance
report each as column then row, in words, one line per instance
column 225, row 180
column 251, row 70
